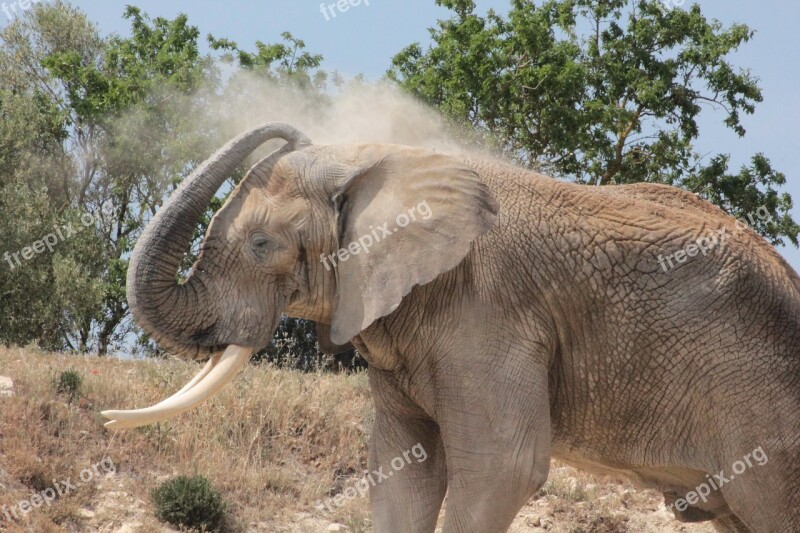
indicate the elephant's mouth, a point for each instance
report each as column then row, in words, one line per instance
column 217, row 373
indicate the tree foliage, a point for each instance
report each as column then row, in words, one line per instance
column 601, row 92
column 51, row 298
column 287, row 63
column 135, row 142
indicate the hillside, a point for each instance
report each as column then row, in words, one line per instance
column 275, row 443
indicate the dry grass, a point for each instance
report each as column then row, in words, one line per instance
column 274, row 443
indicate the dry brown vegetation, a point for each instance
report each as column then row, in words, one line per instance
column 274, row 443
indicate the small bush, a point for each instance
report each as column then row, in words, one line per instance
column 69, row 382
column 189, row 502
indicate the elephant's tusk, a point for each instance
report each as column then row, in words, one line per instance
column 212, row 362
column 218, row 372
column 200, row 375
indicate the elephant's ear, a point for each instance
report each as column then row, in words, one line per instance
column 406, row 215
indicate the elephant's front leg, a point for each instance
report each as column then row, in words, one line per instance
column 495, row 426
column 407, row 466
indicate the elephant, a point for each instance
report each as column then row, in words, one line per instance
column 507, row 318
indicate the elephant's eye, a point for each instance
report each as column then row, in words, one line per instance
column 261, row 242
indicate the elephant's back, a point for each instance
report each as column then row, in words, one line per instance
column 623, row 234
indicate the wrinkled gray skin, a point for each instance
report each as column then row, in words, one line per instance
column 526, row 318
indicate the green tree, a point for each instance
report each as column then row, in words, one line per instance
column 287, row 63
column 100, row 127
column 602, row 92
column 49, row 297
column 138, row 106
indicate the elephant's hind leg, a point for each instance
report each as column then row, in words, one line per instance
column 720, row 514
column 765, row 496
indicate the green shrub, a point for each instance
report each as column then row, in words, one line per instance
column 189, row 502
column 69, row 382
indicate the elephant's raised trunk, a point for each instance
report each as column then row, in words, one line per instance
column 181, row 316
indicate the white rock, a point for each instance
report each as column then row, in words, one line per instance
column 533, row 521
column 337, row 527
column 86, row 513
column 6, row 387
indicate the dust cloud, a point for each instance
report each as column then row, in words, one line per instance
column 358, row 112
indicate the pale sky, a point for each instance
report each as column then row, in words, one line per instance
column 363, row 40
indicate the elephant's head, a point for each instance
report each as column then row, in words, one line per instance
column 312, row 231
